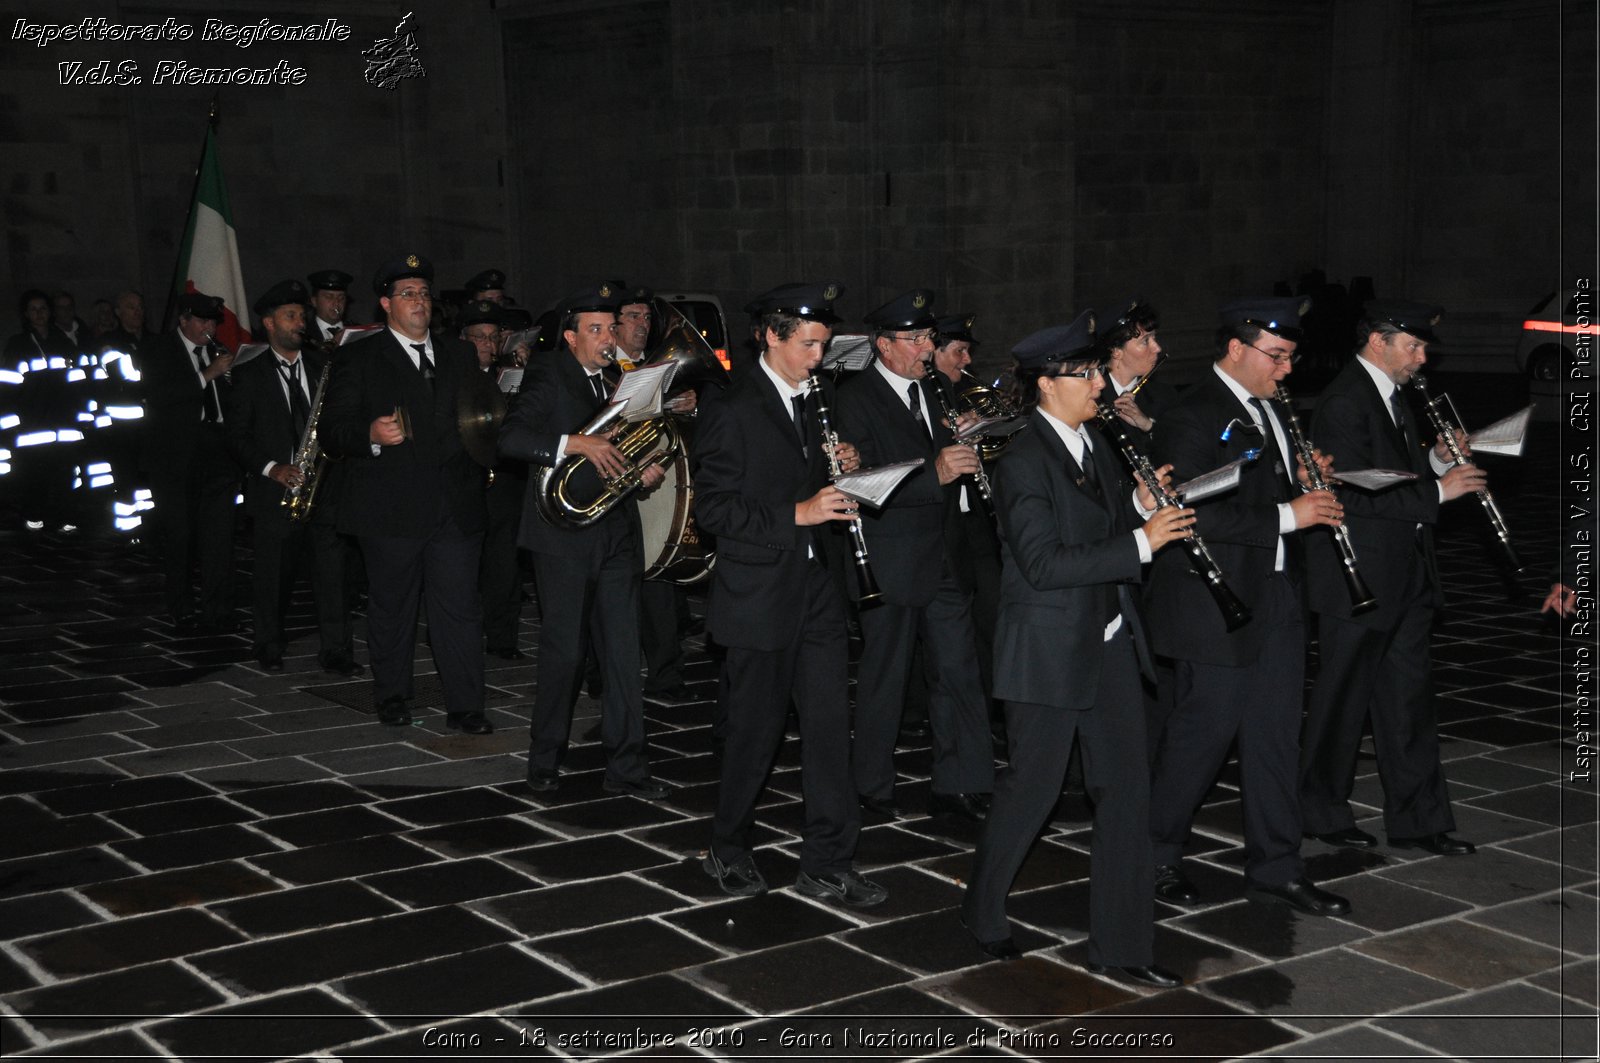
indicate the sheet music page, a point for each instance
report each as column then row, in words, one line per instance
column 1218, row 480
column 247, row 352
column 992, row 426
column 874, row 486
column 510, row 380
column 643, row 391
column 1373, row 479
column 517, row 339
column 849, row 353
column 351, row 333
column 1506, row 436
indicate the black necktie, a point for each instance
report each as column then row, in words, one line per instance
column 211, row 411
column 916, row 410
column 799, row 404
column 598, row 386
column 1089, row 473
column 1398, row 408
column 1269, row 446
column 423, row 361
column 299, row 409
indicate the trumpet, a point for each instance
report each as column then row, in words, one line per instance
column 1235, row 614
column 1447, row 430
column 858, row 539
column 1361, row 599
column 987, row 402
column 981, row 476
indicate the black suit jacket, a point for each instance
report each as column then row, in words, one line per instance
column 1353, row 424
column 556, row 399
column 174, row 404
column 749, row 473
column 1239, row 527
column 406, row 489
column 906, row 537
column 1060, row 548
column 261, row 429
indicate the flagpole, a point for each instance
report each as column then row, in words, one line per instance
column 194, row 194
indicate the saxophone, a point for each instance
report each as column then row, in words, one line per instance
column 308, row 458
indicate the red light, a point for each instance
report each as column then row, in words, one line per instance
column 1556, row 326
column 722, row 356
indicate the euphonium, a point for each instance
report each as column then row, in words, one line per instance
column 309, row 459
column 987, row 402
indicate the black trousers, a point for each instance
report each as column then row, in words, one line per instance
column 500, row 572
column 401, row 570
column 284, row 551
column 1121, row 870
column 592, row 601
column 958, row 709
column 1259, row 704
column 757, row 687
column 194, row 512
column 1385, row 674
column 660, row 615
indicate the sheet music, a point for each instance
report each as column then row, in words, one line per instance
column 351, row 333
column 1373, row 479
column 1223, row 478
column 510, row 380
column 992, row 426
column 643, row 391
column 848, row 353
column 1506, row 436
column 516, row 339
column 247, row 352
column 874, row 486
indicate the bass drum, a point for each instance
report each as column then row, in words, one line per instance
column 673, row 549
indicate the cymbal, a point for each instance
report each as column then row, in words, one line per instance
column 480, row 407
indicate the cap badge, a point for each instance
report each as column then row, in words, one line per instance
column 413, row 261
column 830, row 293
column 918, row 301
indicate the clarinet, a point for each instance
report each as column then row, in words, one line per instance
column 981, row 476
column 1235, row 614
column 1361, row 599
column 858, row 539
column 1442, row 425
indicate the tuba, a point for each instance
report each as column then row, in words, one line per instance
column 655, row 440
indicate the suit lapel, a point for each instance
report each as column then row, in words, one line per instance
column 778, row 410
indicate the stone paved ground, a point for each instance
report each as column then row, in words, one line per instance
column 203, row 860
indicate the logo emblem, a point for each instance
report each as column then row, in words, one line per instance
column 919, row 301
column 413, row 261
column 830, row 293
column 605, row 291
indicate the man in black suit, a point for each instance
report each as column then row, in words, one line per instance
column 1376, row 663
column 413, row 496
column 761, row 487
column 588, row 576
column 330, row 296
column 193, row 477
column 1128, row 336
column 888, row 413
column 1245, row 684
column 269, row 407
column 1070, row 649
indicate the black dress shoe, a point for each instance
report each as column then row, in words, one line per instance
column 342, row 666
column 393, row 712
column 646, row 789
column 1159, row 977
column 1174, row 887
column 848, row 890
column 738, row 879
column 1301, row 894
column 678, row 695
column 963, row 806
column 472, row 723
column 507, row 653
column 880, row 806
column 1349, row 837
column 1440, row 844
column 544, row 780
column 999, row 949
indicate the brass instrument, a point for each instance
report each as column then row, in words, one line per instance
column 1447, row 430
column 1361, row 598
column 988, row 403
column 1235, row 614
column 308, row 458
column 870, row 593
column 981, row 476
column 480, row 407
column 652, row 441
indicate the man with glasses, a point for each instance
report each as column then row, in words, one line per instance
column 891, row 416
column 1245, row 684
column 413, row 496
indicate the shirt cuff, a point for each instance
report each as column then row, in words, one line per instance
column 266, row 470
column 561, row 449
column 1285, row 518
column 1439, row 467
column 1142, row 540
column 1144, row 514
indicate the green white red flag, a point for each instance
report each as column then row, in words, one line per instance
column 208, row 258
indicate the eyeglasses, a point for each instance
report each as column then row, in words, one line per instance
column 414, row 295
column 925, row 336
column 1282, row 359
column 1084, row 374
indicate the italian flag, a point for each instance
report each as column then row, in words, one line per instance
column 208, row 258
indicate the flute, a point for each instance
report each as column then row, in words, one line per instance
column 858, row 539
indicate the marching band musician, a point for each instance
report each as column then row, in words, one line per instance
column 330, row 297
column 1247, row 683
column 1070, row 650
column 1128, row 334
column 269, row 408
column 1377, row 663
column 888, row 413
column 761, row 487
column 413, row 496
column 588, row 577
